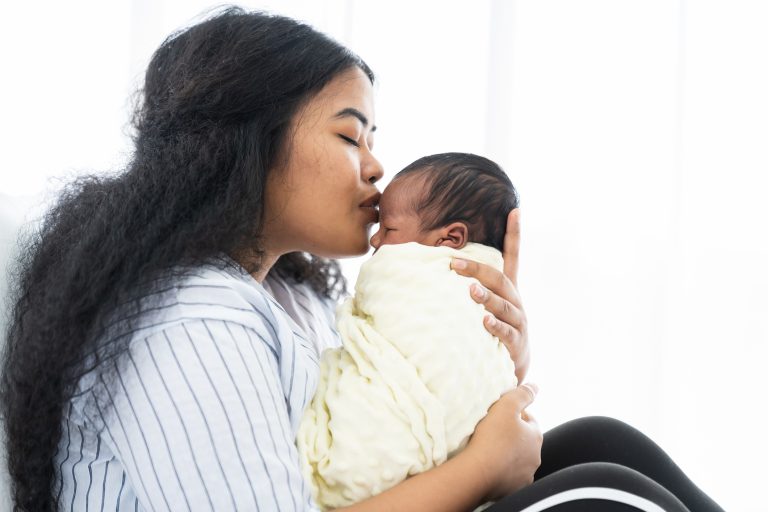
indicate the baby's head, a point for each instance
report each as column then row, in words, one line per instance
column 448, row 199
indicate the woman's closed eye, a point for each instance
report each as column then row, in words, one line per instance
column 349, row 140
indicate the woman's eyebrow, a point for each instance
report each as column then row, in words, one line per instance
column 353, row 112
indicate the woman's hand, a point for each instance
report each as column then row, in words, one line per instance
column 502, row 456
column 506, row 445
column 500, row 297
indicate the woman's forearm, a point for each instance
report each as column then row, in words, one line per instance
column 457, row 485
column 502, row 457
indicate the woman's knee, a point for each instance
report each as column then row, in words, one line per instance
column 594, row 486
column 590, row 430
column 598, row 424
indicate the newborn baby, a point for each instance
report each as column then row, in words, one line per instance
column 417, row 370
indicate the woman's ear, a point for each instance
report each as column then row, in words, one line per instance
column 454, row 235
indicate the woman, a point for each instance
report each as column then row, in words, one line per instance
column 149, row 364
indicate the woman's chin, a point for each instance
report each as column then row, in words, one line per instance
column 359, row 250
column 358, row 246
column 349, row 250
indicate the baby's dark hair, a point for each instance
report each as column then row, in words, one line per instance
column 462, row 187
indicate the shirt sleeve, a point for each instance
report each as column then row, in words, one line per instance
column 200, row 421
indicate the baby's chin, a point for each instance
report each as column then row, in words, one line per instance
column 375, row 250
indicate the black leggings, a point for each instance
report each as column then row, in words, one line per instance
column 600, row 464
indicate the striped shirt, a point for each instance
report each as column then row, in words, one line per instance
column 203, row 413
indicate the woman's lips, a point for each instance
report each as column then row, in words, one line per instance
column 372, row 212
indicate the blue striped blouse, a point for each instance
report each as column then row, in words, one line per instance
column 203, row 413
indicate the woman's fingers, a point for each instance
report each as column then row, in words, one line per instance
column 502, row 329
column 508, row 442
column 501, row 308
column 530, row 390
column 497, row 292
column 489, row 277
column 508, row 335
column 520, row 397
column 511, row 250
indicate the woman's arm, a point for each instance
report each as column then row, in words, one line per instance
column 502, row 457
column 500, row 297
column 200, row 421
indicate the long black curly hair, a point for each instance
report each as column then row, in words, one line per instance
column 211, row 124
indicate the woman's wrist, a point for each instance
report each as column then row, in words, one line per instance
column 476, row 462
column 459, row 484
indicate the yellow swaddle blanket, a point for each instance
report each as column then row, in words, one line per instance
column 416, row 373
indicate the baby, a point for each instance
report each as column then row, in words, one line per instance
column 417, row 370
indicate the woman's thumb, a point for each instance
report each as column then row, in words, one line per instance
column 530, row 391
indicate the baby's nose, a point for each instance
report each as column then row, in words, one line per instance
column 376, row 239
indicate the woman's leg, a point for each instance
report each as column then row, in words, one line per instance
column 592, row 487
column 601, row 439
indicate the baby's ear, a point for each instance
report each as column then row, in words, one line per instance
column 455, row 235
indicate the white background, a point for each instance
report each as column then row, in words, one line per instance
column 636, row 132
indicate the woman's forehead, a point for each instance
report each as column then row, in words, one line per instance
column 350, row 91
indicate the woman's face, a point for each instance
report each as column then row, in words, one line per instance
column 323, row 199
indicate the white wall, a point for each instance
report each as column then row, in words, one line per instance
column 635, row 131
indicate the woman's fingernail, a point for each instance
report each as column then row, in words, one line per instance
column 491, row 320
column 478, row 291
column 533, row 387
column 458, row 264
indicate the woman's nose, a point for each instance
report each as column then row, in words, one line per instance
column 373, row 171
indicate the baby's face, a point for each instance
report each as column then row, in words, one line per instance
column 398, row 224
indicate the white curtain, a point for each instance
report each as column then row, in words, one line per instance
column 635, row 131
